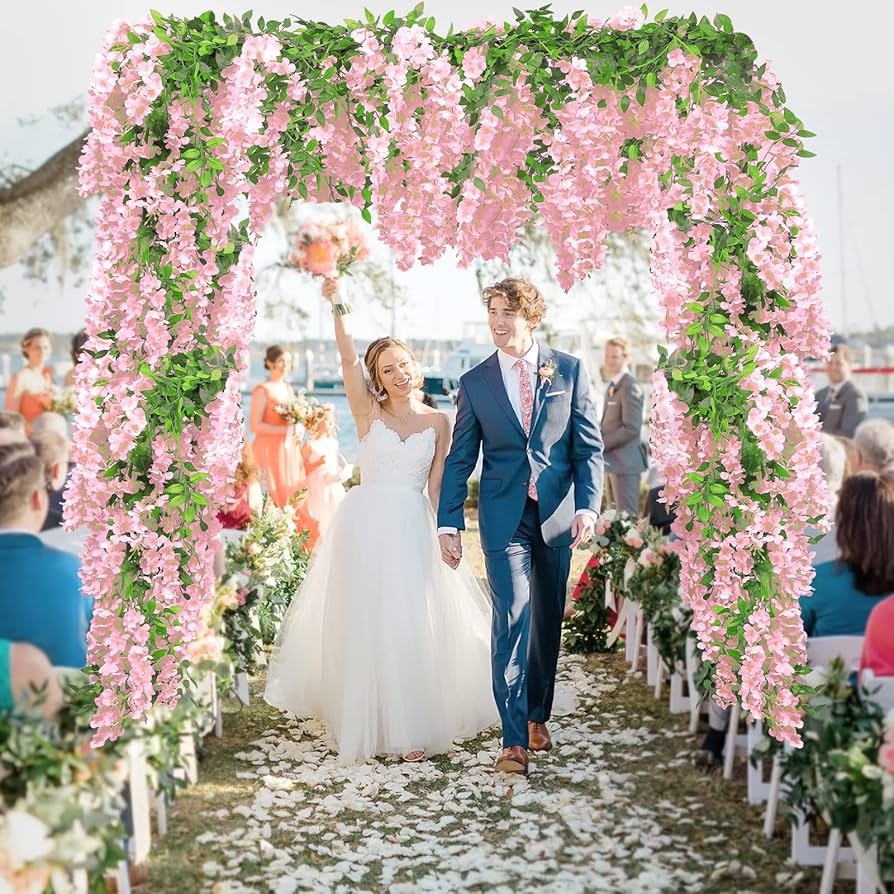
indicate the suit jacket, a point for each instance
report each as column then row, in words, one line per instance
column 842, row 415
column 563, row 452
column 622, row 423
column 41, row 601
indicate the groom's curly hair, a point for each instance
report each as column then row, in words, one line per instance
column 521, row 295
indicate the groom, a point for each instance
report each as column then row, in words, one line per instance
column 530, row 409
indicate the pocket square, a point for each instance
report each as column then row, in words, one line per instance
column 555, row 393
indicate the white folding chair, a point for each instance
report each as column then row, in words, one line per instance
column 868, row 878
column 696, row 700
column 820, row 651
column 137, row 770
column 652, row 658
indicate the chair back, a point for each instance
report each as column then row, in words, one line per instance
column 821, row 650
column 881, row 689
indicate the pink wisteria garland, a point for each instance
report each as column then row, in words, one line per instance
column 455, row 142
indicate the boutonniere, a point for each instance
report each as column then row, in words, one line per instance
column 546, row 372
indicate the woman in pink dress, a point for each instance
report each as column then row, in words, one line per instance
column 245, row 496
column 321, row 462
column 31, row 391
column 277, row 446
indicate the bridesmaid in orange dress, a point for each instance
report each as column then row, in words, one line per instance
column 277, row 449
column 30, row 391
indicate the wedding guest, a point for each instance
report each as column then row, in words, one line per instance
column 12, row 421
column 321, row 462
column 833, row 462
column 276, row 446
column 841, row 404
column 30, row 391
column 660, row 515
column 27, row 679
column 852, row 460
column 53, row 449
column 874, row 445
column 54, row 616
column 79, row 339
column 878, row 641
column 846, row 591
column 621, row 426
column 245, row 496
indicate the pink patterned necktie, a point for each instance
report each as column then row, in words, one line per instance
column 527, row 410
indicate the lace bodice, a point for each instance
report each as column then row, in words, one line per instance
column 386, row 459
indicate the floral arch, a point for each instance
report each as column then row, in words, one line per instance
column 199, row 126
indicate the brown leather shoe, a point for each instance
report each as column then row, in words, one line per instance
column 538, row 737
column 512, row 760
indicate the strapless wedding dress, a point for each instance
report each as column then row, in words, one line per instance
column 384, row 642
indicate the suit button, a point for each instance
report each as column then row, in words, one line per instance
column 530, row 451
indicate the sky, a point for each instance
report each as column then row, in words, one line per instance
column 832, row 61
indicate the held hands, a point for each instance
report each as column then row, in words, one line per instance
column 451, row 549
column 582, row 529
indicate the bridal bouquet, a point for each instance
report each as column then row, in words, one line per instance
column 295, row 411
column 64, row 402
column 328, row 248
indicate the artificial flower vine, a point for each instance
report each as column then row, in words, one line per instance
column 200, row 125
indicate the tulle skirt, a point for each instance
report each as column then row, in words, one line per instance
column 384, row 642
column 323, row 496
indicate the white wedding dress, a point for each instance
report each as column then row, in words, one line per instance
column 384, row 642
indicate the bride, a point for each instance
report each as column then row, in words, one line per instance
column 383, row 642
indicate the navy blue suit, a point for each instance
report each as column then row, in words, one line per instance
column 526, row 543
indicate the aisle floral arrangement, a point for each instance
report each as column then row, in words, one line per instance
column 844, row 774
column 62, row 804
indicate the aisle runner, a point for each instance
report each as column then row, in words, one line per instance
column 453, row 824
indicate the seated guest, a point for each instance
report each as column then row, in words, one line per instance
column 27, row 679
column 53, row 451
column 874, row 445
column 851, row 461
column 847, row 590
column 841, row 405
column 878, row 641
column 833, row 461
column 40, row 591
column 12, row 421
column 660, row 515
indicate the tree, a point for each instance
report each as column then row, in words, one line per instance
column 37, row 203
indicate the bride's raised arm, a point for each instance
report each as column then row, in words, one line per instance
column 359, row 398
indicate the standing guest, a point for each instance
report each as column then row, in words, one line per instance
column 621, row 426
column 833, row 462
column 874, row 446
column 245, row 496
column 276, row 446
column 841, row 405
column 54, row 616
column 878, row 640
column 30, row 391
column 52, row 450
column 78, row 341
column 660, row 515
column 27, row 679
column 428, row 399
column 321, row 461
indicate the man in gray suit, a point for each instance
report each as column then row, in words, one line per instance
column 622, row 422
column 841, row 405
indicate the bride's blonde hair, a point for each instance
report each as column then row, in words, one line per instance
column 371, row 362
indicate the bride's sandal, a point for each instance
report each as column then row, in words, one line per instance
column 413, row 757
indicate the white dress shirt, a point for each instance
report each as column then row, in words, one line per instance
column 511, row 379
column 512, row 385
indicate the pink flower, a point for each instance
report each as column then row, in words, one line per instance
column 627, row 19
column 320, row 258
column 475, row 62
column 634, row 539
column 886, row 758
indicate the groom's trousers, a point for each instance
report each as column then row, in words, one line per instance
column 527, row 582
